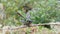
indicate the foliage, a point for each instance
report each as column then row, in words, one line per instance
column 43, row 11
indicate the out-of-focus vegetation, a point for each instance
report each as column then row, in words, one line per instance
column 44, row 11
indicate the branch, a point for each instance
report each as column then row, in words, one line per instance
column 32, row 25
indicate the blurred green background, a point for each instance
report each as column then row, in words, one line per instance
column 44, row 11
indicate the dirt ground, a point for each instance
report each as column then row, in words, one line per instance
column 29, row 30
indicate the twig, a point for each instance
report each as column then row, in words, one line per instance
column 32, row 25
